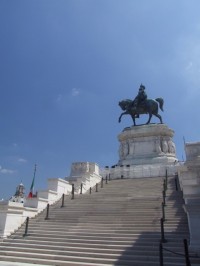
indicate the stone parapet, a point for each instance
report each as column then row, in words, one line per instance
column 38, row 203
column 189, row 178
column 142, row 171
column 11, row 217
column 81, row 168
column 61, row 186
column 85, row 173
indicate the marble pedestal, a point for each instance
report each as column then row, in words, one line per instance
column 145, row 151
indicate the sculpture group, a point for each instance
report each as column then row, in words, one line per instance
column 141, row 105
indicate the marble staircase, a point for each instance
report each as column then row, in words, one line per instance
column 118, row 225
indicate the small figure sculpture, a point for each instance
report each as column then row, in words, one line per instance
column 164, row 146
column 157, row 146
column 172, row 148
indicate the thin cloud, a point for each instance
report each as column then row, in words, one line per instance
column 189, row 66
column 63, row 98
column 22, row 160
column 59, row 98
column 75, row 92
column 6, row 171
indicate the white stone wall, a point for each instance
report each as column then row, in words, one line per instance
column 81, row 168
column 59, row 185
column 11, row 217
column 84, row 173
column 189, row 178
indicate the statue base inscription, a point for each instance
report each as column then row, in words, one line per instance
column 145, row 150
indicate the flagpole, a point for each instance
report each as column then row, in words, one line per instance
column 34, row 171
column 30, row 195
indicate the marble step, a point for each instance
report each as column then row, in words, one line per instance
column 96, row 258
column 69, row 262
column 119, row 225
column 118, row 230
column 116, row 249
column 148, row 239
column 176, row 245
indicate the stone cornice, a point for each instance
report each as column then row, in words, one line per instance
column 146, row 131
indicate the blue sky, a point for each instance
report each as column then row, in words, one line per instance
column 65, row 65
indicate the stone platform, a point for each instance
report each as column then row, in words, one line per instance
column 145, row 151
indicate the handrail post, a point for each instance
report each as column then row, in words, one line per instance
column 163, row 211
column 63, row 199
column 81, row 191
column 26, row 228
column 96, row 187
column 106, row 179
column 176, row 183
column 90, row 190
column 166, row 178
column 102, row 182
column 161, row 254
column 47, row 213
column 164, row 185
column 163, row 240
column 187, row 257
column 72, row 191
column 164, row 195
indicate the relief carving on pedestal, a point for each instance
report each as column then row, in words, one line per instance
column 164, row 146
column 131, row 147
column 157, row 146
column 123, row 150
column 78, row 168
column 172, row 148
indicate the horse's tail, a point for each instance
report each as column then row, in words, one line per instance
column 161, row 103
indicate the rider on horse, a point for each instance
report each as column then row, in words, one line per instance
column 140, row 99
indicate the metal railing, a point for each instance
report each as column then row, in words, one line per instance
column 185, row 254
column 162, row 220
column 63, row 200
column 26, row 227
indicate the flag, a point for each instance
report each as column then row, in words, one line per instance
column 30, row 195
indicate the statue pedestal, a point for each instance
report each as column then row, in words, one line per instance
column 146, row 150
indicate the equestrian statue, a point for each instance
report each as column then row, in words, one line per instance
column 141, row 105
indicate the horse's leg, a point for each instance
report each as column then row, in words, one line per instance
column 160, row 117
column 150, row 116
column 133, row 117
column 124, row 113
column 155, row 112
column 119, row 120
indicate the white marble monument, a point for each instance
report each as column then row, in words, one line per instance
column 145, row 151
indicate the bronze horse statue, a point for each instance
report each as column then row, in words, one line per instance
column 149, row 107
